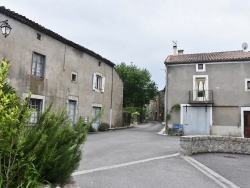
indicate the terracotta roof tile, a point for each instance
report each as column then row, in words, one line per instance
column 209, row 57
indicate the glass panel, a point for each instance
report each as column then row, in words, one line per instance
column 200, row 66
column 72, row 110
column 36, row 104
column 248, row 84
column 37, row 65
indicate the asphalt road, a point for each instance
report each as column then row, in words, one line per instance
column 138, row 157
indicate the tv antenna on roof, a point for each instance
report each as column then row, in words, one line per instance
column 244, row 46
column 174, row 43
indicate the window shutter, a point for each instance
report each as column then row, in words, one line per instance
column 94, row 82
column 43, row 66
column 103, row 84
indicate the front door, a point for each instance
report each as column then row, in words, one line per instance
column 247, row 124
column 95, row 112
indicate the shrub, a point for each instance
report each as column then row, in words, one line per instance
column 103, row 127
column 48, row 151
column 91, row 128
column 173, row 132
column 56, row 145
column 16, row 167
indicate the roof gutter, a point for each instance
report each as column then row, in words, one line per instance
column 52, row 34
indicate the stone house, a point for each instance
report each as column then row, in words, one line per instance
column 153, row 109
column 52, row 67
column 156, row 107
column 161, row 103
column 213, row 90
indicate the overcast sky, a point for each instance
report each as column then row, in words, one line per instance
column 142, row 31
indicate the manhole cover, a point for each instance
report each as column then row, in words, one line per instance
column 228, row 156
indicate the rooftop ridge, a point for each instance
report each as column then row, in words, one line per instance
column 51, row 33
column 238, row 55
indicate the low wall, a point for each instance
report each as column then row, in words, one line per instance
column 203, row 144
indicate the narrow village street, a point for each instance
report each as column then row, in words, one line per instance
column 140, row 157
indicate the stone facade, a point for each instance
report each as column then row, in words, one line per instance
column 205, row 144
column 161, row 104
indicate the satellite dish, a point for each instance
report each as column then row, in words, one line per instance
column 244, row 46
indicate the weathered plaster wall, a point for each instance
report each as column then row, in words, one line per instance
column 226, row 79
column 60, row 61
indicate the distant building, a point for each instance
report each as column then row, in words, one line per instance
column 213, row 90
column 52, row 67
column 156, row 107
column 153, row 109
column 161, row 105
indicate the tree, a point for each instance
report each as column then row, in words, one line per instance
column 138, row 88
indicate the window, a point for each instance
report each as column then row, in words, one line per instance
column 247, row 84
column 98, row 82
column 99, row 64
column 200, row 88
column 74, row 77
column 37, row 105
column 200, row 67
column 38, row 36
column 38, row 65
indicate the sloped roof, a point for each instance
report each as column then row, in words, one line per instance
column 52, row 34
column 208, row 57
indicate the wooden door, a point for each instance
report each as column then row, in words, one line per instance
column 247, row 124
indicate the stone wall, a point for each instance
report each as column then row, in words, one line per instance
column 204, row 144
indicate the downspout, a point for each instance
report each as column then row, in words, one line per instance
column 166, row 98
column 111, row 101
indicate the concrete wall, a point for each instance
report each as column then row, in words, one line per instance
column 204, row 144
column 61, row 61
column 226, row 79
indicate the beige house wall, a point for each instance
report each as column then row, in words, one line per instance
column 61, row 60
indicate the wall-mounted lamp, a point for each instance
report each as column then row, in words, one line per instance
column 5, row 28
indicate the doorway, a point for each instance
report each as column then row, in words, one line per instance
column 200, row 87
column 247, row 124
column 95, row 112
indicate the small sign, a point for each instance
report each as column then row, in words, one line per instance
column 177, row 126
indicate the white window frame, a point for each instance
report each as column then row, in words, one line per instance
column 40, row 97
column 247, row 80
column 74, row 73
column 194, row 85
column 201, row 70
column 95, row 85
column 73, row 98
column 35, row 63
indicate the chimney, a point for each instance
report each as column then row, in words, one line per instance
column 175, row 47
column 180, row 52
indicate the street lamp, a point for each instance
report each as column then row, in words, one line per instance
column 5, row 28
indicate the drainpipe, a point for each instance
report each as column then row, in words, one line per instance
column 166, row 98
column 111, row 101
